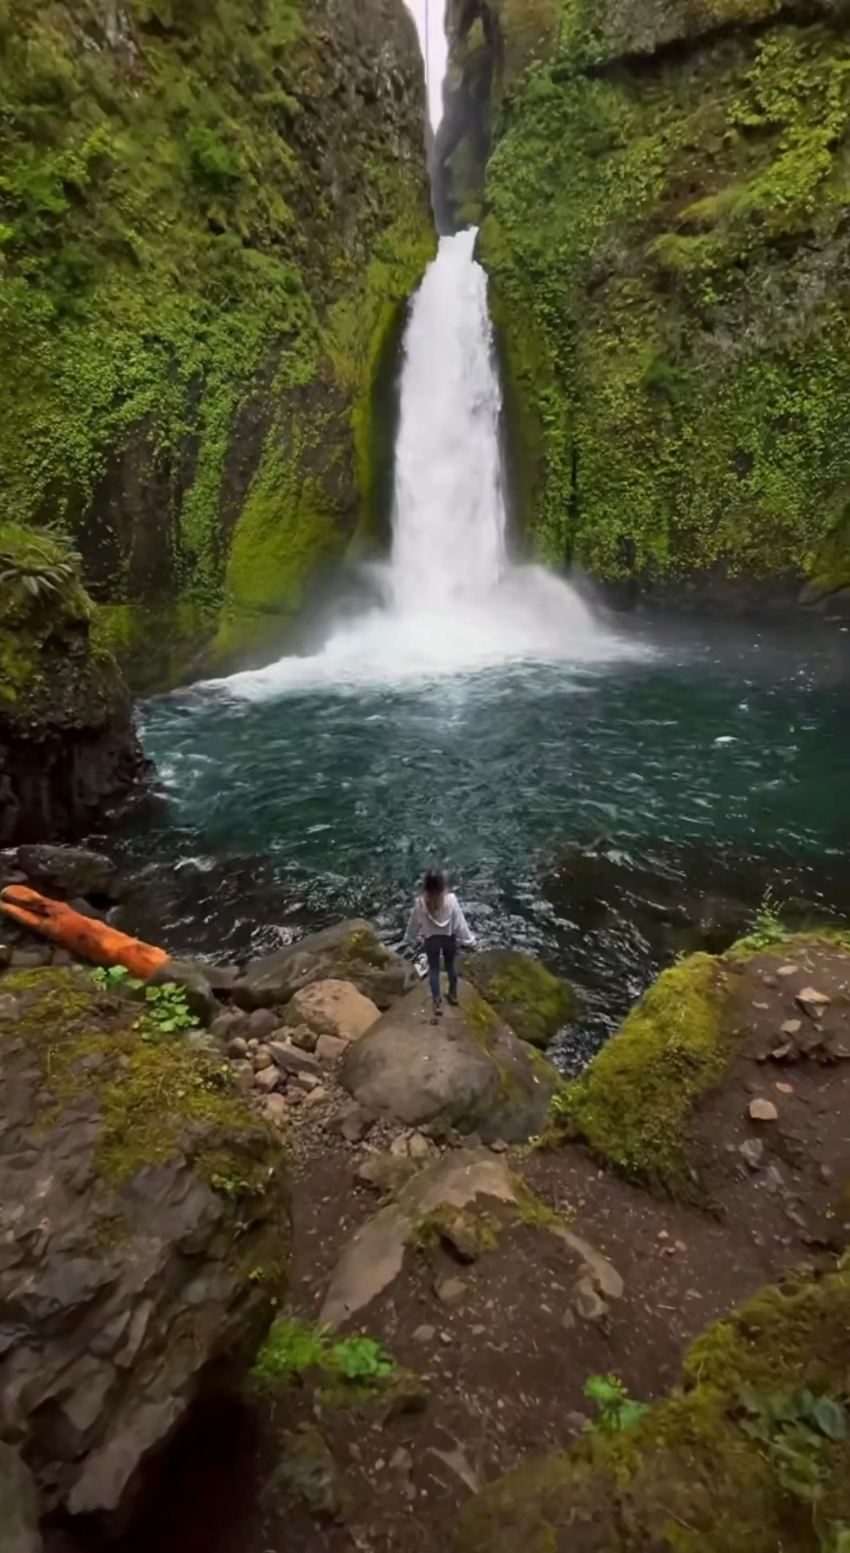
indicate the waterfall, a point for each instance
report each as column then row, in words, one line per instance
column 452, row 602
column 448, row 514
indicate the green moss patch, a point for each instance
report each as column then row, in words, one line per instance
column 634, row 1103
column 751, row 1456
column 156, row 1097
column 528, row 997
column 668, row 251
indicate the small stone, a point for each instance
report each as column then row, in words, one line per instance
column 424, row 1334
column 790, row 1027
column 785, row 1089
column 356, row 1123
column 262, row 1058
column 813, row 1002
column 577, row 1422
column 763, row 1111
column 243, row 1076
column 450, row 1291
column 788, row 970
column 290, row 1060
column 568, row 1321
column 262, row 1023
column 751, row 1151
column 330, row 1048
column 499, row 1146
column 400, row 1146
column 224, row 1025
column 419, row 1147
column 401, row 1460
column 304, row 1038
column 10, row 1007
column 782, row 1053
column 237, row 1046
column 267, row 1079
column 663, row 1234
column 826, row 1174
column 274, row 1110
column 316, row 1096
column 29, row 959
column 588, row 1302
column 761, row 1005
column 305, row 1081
column 769, row 981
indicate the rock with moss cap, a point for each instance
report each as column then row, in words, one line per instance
column 67, row 742
column 349, row 951
column 528, row 997
column 468, row 1071
column 712, row 1468
column 143, row 1233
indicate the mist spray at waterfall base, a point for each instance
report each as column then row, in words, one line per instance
column 451, row 600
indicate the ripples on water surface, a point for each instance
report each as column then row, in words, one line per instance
column 709, row 771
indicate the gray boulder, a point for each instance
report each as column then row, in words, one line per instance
column 468, row 1072
column 348, row 951
column 143, row 1220
column 534, row 1002
column 70, row 871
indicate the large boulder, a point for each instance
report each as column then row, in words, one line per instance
column 348, row 951
column 529, row 998
column 468, row 1072
column 70, row 872
column 143, row 1226
column 333, row 1008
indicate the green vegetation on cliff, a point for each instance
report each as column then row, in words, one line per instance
column 209, row 218
column 666, row 235
column 751, row 1456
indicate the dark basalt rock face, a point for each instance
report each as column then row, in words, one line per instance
column 143, row 1235
column 67, row 741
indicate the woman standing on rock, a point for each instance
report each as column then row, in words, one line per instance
column 438, row 920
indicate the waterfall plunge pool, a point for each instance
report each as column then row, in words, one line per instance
column 603, row 815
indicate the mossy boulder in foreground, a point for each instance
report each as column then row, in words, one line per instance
column 529, row 998
column 143, row 1233
column 67, row 742
column 466, row 1071
column 751, row 1456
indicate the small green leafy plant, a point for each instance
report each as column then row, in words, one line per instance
column 293, row 1347
column 166, row 1009
column 767, row 927
column 616, row 1410
column 797, row 1428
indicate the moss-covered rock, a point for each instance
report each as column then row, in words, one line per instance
column 737, row 1462
column 151, row 1230
column 212, row 217
column 666, row 239
column 633, row 1105
column 67, row 742
column 535, row 1003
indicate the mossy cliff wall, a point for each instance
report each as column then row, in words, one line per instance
column 210, row 216
column 665, row 224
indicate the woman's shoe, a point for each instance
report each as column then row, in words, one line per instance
column 454, row 1000
column 438, row 1013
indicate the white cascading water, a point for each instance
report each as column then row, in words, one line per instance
column 452, row 601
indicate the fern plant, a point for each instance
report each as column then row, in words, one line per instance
column 37, row 573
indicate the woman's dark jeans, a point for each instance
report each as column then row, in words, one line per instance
column 444, row 944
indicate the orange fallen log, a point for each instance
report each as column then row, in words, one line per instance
column 83, row 936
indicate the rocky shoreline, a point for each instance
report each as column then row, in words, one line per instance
column 453, row 1243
